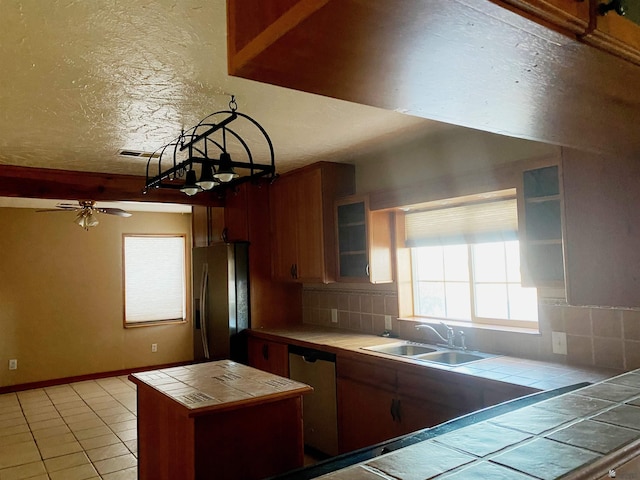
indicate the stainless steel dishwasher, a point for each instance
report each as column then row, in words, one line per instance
column 319, row 411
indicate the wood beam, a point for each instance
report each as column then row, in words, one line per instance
column 71, row 185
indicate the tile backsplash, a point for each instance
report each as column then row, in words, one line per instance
column 600, row 337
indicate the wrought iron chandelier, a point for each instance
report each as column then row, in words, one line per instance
column 200, row 158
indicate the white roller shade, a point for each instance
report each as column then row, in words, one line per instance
column 474, row 223
column 154, row 275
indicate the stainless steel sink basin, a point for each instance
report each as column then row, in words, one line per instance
column 454, row 357
column 429, row 353
column 403, row 349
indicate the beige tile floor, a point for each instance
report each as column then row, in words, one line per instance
column 77, row 431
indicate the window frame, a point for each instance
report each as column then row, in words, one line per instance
column 150, row 323
column 475, row 319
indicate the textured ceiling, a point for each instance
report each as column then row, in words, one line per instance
column 82, row 80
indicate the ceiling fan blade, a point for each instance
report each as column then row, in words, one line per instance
column 55, row 210
column 114, row 211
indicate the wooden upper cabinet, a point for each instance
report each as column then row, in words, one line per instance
column 302, row 221
column 283, row 198
column 595, row 22
column 236, row 215
column 567, row 15
column 364, row 242
column 617, row 34
column 207, row 224
column 540, row 218
column 602, row 228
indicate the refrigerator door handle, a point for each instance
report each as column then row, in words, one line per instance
column 203, row 312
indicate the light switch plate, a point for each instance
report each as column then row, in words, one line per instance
column 387, row 322
column 334, row 315
column 559, row 343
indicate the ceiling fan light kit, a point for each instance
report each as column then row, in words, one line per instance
column 200, row 158
column 87, row 212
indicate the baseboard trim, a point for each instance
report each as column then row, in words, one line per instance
column 82, row 378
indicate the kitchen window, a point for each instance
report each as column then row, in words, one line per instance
column 154, row 279
column 465, row 262
column 474, row 283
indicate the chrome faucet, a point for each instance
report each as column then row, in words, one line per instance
column 450, row 334
column 450, row 340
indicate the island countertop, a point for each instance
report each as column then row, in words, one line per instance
column 221, row 385
column 590, row 433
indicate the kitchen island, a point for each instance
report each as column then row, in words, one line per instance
column 218, row 420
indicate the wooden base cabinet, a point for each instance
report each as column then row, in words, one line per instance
column 376, row 402
column 268, row 356
column 365, row 415
column 379, row 399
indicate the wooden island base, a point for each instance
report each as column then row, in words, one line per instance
column 219, row 420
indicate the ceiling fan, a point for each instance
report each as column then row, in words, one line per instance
column 87, row 211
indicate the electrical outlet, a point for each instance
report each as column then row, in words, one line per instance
column 154, row 347
column 13, row 364
column 334, row 315
column 387, row 322
column 559, row 343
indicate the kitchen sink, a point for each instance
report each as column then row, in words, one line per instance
column 454, row 357
column 429, row 353
column 404, row 349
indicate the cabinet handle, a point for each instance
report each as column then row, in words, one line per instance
column 398, row 412
column 291, row 270
column 225, row 235
column 366, row 270
column 265, row 351
column 295, row 270
column 392, row 409
column 617, row 6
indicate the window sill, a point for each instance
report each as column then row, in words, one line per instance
column 473, row 325
column 155, row 323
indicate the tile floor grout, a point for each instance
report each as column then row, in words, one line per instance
column 77, row 431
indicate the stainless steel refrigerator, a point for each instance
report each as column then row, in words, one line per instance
column 221, row 302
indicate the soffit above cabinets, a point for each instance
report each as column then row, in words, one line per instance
column 465, row 62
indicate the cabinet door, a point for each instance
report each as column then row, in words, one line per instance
column 540, row 228
column 416, row 414
column 363, row 242
column 206, row 225
column 272, row 357
column 601, row 198
column 283, row 199
column 619, row 35
column 380, row 247
column 366, row 415
column 200, row 226
column 309, row 227
column 236, row 219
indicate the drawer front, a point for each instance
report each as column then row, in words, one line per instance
column 368, row 372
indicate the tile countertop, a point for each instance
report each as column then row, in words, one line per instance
column 223, row 384
column 536, row 374
column 579, row 435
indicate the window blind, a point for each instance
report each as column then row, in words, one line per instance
column 154, row 275
column 464, row 224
